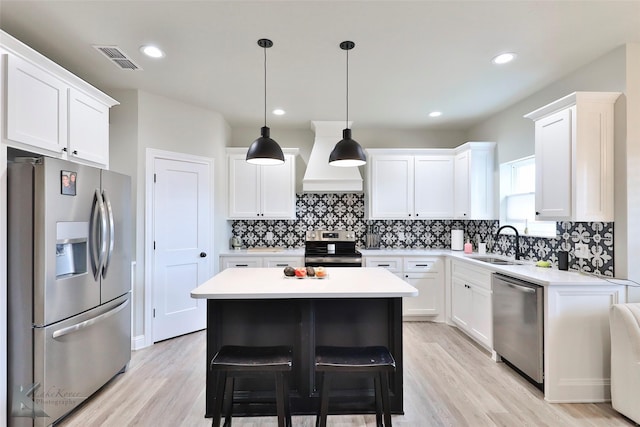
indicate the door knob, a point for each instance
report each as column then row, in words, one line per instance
column 203, row 254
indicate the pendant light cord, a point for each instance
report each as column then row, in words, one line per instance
column 265, row 86
column 347, row 123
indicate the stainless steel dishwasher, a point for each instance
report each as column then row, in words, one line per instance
column 518, row 328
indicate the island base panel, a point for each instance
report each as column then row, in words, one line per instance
column 303, row 324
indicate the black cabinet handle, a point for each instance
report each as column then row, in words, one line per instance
column 203, row 254
column 422, row 265
column 242, row 265
column 75, row 152
column 282, row 265
column 537, row 213
column 64, row 149
column 383, row 265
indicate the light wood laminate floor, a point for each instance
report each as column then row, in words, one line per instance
column 449, row 381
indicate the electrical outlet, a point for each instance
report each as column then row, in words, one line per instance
column 581, row 250
column 269, row 235
column 401, row 236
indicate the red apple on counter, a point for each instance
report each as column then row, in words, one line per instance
column 301, row 272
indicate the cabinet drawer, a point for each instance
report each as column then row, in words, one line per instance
column 283, row 262
column 240, row 262
column 421, row 265
column 473, row 274
column 392, row 264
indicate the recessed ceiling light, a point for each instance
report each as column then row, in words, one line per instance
column 278, row 112
column 435, row 114
column 503, row 58
column 152, row 51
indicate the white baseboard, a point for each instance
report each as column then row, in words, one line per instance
column 138, row 342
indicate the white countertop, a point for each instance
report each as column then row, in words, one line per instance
column 270, row 283
column 405, row 252
column 538, row 275
column 526, row 271
column 262, row 252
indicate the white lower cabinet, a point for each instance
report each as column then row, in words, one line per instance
column 393, row 264
column 267, row 261
column 240, row 262
column 471, row 306
column 424, row 274
column 282, row 262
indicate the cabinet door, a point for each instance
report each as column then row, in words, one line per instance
column 88, row 128
column 36, row 107
column 391, row 187
column 434, row 186
column 283, row 262
column 553, row 166
column 460, row 303
column 277, row 190
column 428, row 302
column 482, row 315
column 240, row 262
column 244, row 188
column 461, row 186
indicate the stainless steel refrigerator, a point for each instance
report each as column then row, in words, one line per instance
column 69, row 284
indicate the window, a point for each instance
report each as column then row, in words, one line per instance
column 518, row 197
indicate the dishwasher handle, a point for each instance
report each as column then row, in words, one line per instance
column 521, row 288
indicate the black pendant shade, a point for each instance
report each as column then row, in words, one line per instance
column 347, row 152
column 264, row 150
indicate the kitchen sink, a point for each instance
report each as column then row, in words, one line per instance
column 495, row 260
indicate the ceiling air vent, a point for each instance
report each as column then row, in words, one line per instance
column 118, row 57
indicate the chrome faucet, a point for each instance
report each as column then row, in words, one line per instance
column 517, row 238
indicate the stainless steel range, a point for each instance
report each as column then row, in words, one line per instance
column 328, row 248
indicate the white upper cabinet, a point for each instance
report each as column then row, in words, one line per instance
column 390, row 192
column 51, row 111
column 261, row 192
column 473, row 182
column 36, row 106
column 88, row 128
column 406, row 185
column 434, row 191
column 574, row 157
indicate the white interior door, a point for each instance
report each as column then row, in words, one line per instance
column 181, row 234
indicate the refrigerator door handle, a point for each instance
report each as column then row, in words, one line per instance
column 73, row 328
column 98, row 234
column 111, row 230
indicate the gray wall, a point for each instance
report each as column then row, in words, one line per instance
column 616, row 71
column 143, row 121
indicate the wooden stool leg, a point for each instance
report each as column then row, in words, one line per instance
column 378, row 396
column 324, row 400
column 217, row 408
column 384, row 380
column 228, row 400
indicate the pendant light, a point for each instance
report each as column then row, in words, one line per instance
column 347, row 152
column 264, row 150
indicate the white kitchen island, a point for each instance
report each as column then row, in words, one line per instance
column 261, row 307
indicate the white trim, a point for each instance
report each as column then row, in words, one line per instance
column 3, row 282
column 151, row 155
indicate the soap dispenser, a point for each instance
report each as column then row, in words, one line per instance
column 468, row 248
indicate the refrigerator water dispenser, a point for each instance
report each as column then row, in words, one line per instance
column 71, row 248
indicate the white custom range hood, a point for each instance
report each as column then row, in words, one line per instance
column 320, row 177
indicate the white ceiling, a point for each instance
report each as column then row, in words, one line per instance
column 410, row 57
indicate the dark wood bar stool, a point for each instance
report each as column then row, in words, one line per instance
column 376, row 361
column 232, row 361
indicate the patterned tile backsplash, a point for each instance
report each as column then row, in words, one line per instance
column 346, row 211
